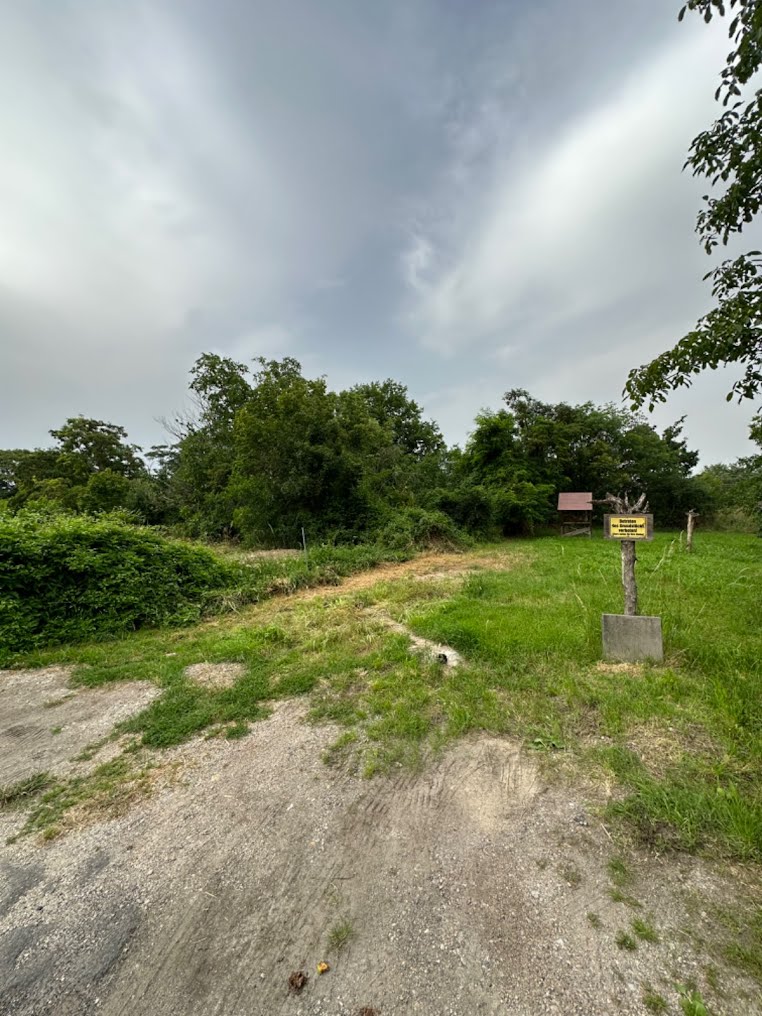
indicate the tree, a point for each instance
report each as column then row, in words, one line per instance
column 88, row 446
column 729, row 156
column 194, row 474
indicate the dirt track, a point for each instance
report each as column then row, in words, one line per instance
column 466, row 888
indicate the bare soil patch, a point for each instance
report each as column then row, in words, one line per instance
column 215, row 675
column 44, row 722
column 422, row 568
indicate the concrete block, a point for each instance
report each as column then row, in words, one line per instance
column 631, row 639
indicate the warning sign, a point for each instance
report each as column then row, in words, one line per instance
column 628, row 527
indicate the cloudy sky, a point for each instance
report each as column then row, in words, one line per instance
column 466, row 196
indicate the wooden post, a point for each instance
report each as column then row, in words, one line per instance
column 628, row 577
column 623, row 506
column 692, row 516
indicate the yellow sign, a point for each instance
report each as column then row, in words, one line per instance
column 628, row 527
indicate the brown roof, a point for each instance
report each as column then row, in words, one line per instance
column 575, row 502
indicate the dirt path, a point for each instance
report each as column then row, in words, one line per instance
column 466, row 889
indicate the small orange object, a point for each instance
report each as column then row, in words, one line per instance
column 323, row 968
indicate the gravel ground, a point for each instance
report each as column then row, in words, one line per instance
column 466, row 890
column 44, row 722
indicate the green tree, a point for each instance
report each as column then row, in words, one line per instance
column 729, row 156
column 88, row 446
column 193, row 474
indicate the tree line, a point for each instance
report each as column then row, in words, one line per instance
column 268, row 452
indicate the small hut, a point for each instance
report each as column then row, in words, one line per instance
column 575, row 512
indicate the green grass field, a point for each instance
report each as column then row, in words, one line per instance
column 683, row 739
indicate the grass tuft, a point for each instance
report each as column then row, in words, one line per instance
column 18, row 795
column 340, row 934
column 645, row 931
column 653, row 1001
column 625, row 941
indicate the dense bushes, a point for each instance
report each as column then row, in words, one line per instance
column 66, row 578
column 416, row 528
column 70, row 578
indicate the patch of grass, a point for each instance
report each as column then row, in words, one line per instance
column 618, row 871
column 56, row 730
column 52, row 703
column 645, row 931
column 18, row 795
column 341, row 747
column 745, row 953
column 534, row 631
column 594, row 920
column 340, row 934
column 617, row 896
column 653, row 1001
column 110, row 789
column 691, row 1002
column 626, row 941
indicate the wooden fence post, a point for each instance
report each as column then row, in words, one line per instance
column 692, row 516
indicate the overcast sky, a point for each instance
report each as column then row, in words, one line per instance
column 466, row 196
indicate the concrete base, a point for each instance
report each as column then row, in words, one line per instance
column 632, row 639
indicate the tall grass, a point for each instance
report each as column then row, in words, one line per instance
column 535, row 631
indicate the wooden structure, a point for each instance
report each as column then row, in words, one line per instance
column 575, row 511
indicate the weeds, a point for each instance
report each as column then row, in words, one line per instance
column 625, row 941
column 18, row 795
column 653, row 1001
column 691, row 1002
column 645, row 931
column 618, row 871
column 340, row 934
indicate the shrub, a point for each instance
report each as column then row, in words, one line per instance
column 66, row 578
column 415, row 528
column 735, row 520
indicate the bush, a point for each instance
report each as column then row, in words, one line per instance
column 66, row 578
column 735, row 520
column 415, row 528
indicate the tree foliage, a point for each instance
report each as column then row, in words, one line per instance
column 729, row 156
column 269, row 451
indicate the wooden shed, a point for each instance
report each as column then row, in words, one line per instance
column 575, row 512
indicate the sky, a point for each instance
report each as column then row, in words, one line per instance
column 466, row 196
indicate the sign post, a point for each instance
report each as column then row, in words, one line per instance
column 629, row 528
column 628, row 636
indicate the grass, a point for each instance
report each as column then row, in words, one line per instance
column 685, row 738
column 340, row 934
column 18, row 795
column 653, row 1001
column 619, row 873
column 626, row 941
column 594, row 921
column 645, row 931
column 691, row 1002
column 571, row 875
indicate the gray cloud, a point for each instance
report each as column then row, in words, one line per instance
column 465, row 197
